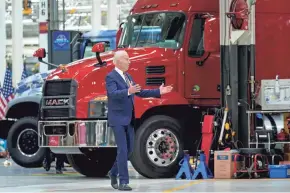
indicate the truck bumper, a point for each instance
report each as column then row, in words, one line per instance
column 75, row 134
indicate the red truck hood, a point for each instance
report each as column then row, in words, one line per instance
column 91, row 79
column 81, row 68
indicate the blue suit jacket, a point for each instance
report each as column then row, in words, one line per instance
column 120, row 105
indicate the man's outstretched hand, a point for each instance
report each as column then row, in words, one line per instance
column 134, row 88
column 165, row 89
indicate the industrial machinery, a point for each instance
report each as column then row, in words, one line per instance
column 199, row 43
column 20, row 126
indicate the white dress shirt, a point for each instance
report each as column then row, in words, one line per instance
column 122, row 75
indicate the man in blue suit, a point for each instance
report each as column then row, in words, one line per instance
column 120, row 91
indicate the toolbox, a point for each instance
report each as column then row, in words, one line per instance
column 279, row 171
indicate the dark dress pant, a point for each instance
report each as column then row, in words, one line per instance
column 59, row 159
column 124, row 136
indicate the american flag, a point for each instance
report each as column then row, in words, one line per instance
column 2, row 105
column 6, row 93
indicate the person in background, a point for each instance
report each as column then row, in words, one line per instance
column 121, row 90
column 59, row 167
column 4, row 152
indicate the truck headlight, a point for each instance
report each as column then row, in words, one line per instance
column 98, row 107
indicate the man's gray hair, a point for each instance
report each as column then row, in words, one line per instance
column 117, row 55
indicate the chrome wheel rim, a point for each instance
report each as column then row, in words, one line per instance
column 27, row 142
column 162, row 147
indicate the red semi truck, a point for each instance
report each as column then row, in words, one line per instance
column 186, row 54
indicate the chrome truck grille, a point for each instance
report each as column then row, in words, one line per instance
column 58, row 126
column 59, row 100
column 75, row 134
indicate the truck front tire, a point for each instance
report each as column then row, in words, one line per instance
column 97, row 165
column 158, row 147
column 22, row 142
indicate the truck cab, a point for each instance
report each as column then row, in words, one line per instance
column 165, row 43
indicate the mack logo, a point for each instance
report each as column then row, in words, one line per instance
column 56, row 102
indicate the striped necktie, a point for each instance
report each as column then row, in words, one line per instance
column 127, row 79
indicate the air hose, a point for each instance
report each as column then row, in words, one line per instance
column 238, row 13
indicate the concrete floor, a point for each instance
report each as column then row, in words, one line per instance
column 17, row 179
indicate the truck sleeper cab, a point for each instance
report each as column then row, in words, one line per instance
column 164, row 47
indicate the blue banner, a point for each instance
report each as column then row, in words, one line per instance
column 61, row 40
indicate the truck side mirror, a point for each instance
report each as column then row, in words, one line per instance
column 211, row 35
column 99, row 47
column 40, row 53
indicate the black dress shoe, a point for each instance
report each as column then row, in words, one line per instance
column 114, row 181
column 125, row 187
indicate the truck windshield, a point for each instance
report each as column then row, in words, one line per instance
column 163, row 29
column 88, row 49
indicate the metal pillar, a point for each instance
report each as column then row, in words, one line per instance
column 112, row 16
column 246, row 64
column 96, row 19
column 53, row 24
column 243, row 58
column 43, row 34
column 63, row 15
column 234, row 96
column 3, row 41
column 229, row 67
column 252, row 49
column 224, row 42
column 235, row 59
column 53, row 14
column 252, row 54
column 17, row 41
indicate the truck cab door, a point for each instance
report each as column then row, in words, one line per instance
column 202, row 69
